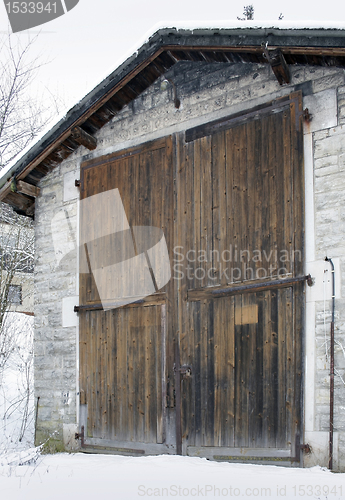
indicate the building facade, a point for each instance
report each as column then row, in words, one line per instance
column 228, row 147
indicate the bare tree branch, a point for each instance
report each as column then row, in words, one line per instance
column 22, row 116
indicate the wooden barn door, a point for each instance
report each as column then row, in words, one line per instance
column 240, row 258
column 123, row 347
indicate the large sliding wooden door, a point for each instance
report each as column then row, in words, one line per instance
column 123, row 348
column 217, row 352
column 240, row 209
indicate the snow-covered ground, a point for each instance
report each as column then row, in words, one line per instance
column 26, row 474
column 16, row 385
column 86, row 477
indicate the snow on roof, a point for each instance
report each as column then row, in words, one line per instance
column 190, row 27
column 257, row 25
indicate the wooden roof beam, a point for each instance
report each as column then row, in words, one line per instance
column 83, row 138
column 279, row 65
column 30, row 212
column 18, row 201
column 28, row 189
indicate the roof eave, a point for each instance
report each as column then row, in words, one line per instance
column 221, row 38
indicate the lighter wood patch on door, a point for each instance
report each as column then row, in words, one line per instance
column 246, row 315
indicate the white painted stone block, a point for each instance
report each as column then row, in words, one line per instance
column 70, row 191
column 323, row 108
column 320, row 270
column 69, row 317
column 69, row 431
column 319, row 442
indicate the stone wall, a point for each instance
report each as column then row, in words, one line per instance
column 55, row 344
column 207, row 92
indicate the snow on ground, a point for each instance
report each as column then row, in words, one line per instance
column 82, row 476
column 16, row 386
column 25, row 474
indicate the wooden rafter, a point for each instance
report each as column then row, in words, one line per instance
column 83, row 138
column 28, row 189
column 278, row 64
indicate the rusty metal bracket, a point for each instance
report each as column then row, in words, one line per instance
column 306, row 448
column 307, row 117
column 310, row 280
column 80, row 435
column 298, row 448
column 184, row 370
column 77, row 183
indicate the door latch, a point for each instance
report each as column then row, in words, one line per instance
column 185, row 370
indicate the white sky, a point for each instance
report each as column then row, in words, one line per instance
column 85, row 44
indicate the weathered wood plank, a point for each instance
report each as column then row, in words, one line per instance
column 18, row 201
column 252, row 372
column 218, row 367
column 251, row 197
column 273, row 175
column 221, row 402
column 238, row 371
column 161, row 376
column 202, row 264
column 83, row 138
column 298, row 176
column 273, row 410
column 148, row 372
column 222, row 237
column 197, row 200
column 299, row 364
column 246, row 342
column 227, row 260
column 181, row 292
column 235, row 264
column 243, row 201
column 288, row 195
column 282, row 375
column 197, row 371
column 168, row 213
column 265, row 219
column 267, row 372
column 203, row 371
column 109, row 374
column 258, row 198
column 132, row 342
column 231, row 374
column 28, row 189
column 211, row 375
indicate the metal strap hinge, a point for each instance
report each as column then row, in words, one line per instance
column 80, row 435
